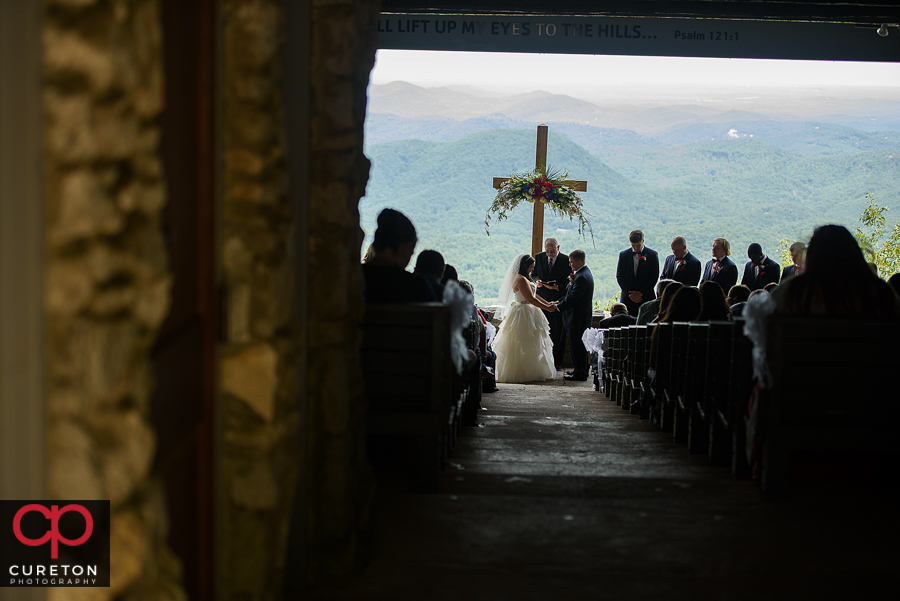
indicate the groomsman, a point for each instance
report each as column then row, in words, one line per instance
column 720, row 268
column 637, row 272
column 576, row 306
column 681, row 265
column 551, row 272
column 760, row 270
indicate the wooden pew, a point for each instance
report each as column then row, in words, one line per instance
column 718, row 385
column 405, row 359
column 628, row 359
column 834, row 395
column 663, row 373
column 638, row 366
column 734, row 417
column 687, row 411
column 677, row 379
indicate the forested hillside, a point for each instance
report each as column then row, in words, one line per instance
column 750, row 173
column 745, row 190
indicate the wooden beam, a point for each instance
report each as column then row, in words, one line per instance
column 540, row 164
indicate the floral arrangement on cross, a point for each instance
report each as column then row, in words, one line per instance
column 549, row 187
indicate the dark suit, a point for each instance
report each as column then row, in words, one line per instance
column 688, row 274
column 616, row 321
column 789, row 271
column 560, row 273
column 644, row 281
column 577, row 308
column 768, row 274
column 725, row 276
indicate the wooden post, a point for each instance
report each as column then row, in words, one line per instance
column 540, row 164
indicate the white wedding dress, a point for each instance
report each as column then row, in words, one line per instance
column 523, row 346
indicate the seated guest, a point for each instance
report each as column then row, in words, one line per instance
column 737, row 296
column 798, row 256
column 681, row 265
column 837, row 281
column 770, row 288
column 430, row 267
column 486, row 354
column 449, row 274
column 387, row 280
column 720, row 268
column 666, row 298
column 894, row 282
column 760, row 269
column 618, row 316
column 683, row 306
column 712, row 303
column 650, row 309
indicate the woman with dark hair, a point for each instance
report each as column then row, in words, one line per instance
column 523, row 346
column 387, row 280
column 836, row 281
column 712, row 302
column 685, row 305
column 449, row 274
column 666, row 298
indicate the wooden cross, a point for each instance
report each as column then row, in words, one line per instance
column 540, row 164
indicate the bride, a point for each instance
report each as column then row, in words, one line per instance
column 523, row 347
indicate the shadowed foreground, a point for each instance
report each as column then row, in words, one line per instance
column 559, row 494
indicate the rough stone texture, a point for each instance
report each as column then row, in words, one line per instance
column 261, row 451
column 107, row 279
column 343, row 36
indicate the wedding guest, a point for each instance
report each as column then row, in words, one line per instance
column 837, row 281
column 666, row 298
column 430, row 267
column 760, row 270
column 486, row 354
column 449, row 274
column 681, row 265
column 683, row 306
column 551, row 273
column 650, row 309
column 618, row 316
column 712, row 303
column 737, row 294
column 771, row 287
column 386, row 278
column 720, row 268
column 637, row 272
column 798, row 256
column 894, row 282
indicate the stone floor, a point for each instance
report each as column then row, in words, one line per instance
column 559, row 494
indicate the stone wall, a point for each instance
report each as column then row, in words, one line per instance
column 343, row 53
column 107, row 279
column 259, row 367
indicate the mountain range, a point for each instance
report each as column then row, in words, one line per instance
column 688, row 170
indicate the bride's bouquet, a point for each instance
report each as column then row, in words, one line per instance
column 547, row 187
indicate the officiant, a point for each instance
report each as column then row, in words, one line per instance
column 551, row 272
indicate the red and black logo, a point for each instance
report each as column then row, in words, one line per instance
column 54, row 543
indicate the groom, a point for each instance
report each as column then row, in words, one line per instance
column 576, row 306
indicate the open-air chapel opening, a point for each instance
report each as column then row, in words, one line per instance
column 184, row 333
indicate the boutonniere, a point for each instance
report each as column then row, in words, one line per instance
column 681, row 262
column 643, row 259
column 571, row 277
column 716, row 266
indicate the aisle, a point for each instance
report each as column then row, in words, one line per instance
column 559, row 494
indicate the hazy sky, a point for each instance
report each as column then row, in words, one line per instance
column 524, row 72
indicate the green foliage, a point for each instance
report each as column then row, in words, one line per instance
column 744, row 190
column 884, row 252
column 784, row 252
column 599, row 306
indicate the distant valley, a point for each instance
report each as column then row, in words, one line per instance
column 669, row 170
